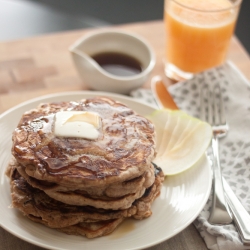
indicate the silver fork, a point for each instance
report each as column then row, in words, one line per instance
column 212, row 111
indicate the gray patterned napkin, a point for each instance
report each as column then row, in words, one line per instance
column 234, row 148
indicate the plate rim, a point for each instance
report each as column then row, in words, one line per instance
column 90, row 92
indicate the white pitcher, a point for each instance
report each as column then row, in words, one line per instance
column 103, row 41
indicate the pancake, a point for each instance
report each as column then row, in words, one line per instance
column 124, row 149
column 83, row 198
column 94, row 229
column 84, row 186
column 88, row 221
column 35, row 204
column 87, row 229
column 116, row 189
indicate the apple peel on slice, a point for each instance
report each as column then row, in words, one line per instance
column 181, row 140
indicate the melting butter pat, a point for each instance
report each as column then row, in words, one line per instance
column 81, row 124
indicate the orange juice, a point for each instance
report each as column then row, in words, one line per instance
column 198, row 32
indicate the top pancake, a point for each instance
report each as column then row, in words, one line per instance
column 124, row 149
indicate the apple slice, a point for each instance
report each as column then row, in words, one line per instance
column 181, row 140
column 160, row 121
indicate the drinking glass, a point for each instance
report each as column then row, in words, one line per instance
column 198, row 34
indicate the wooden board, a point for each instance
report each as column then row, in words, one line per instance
column 41, row 65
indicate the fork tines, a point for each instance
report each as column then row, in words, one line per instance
column 211, row 105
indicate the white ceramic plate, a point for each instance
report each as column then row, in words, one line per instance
column 182, row 197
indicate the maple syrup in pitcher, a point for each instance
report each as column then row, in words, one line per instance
column 118, row 64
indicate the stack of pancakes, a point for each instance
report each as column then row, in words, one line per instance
column 82, row 186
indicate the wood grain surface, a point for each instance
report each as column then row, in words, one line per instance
column 42, row 65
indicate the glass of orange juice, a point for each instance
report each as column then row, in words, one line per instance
column 198, row 34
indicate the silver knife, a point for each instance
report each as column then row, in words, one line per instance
column 240, row 215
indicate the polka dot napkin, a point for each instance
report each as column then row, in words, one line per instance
column 234, row 148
